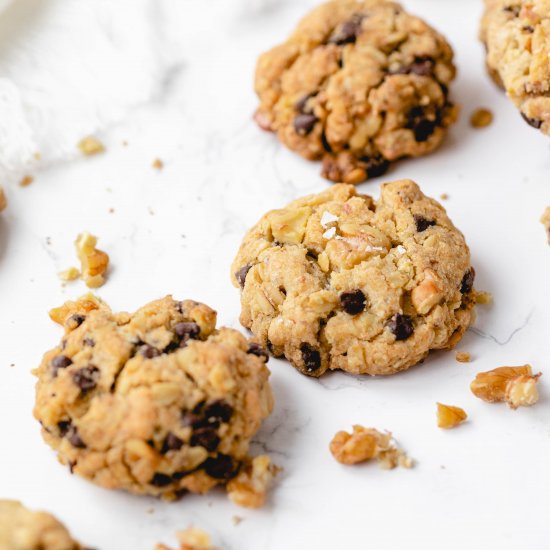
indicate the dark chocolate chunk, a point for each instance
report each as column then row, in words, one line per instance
column 221, row 467
column 89, row 342
column 256, row 349
column 74, row 321
column 375, row 166
column 205, row 437
column 161, row 480
column 74, row 438
column 422, row 223
column 86, row 378
column 311, row 357
column 63, row 426
column 468, row 281
column 401, row 326
column 348, row 32
column 187, row 331
column 241, row 274
column 60, row 362
column 512, row 9
column 218, row 410
column 301, row 105
column 421, row 66
column 304, row 124
column 149, row 351
column 534, row 122
column 422, row 126
column 353, row 301
column 190, row 419
column 171, row 443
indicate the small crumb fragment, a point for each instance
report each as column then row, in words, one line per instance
column 191, row 539
column 37, row 156
column 328, row 218
column 484, row 298
column 363, row 444
column 26, row 181
column 517, row 386
column 444, row 196
column 3, row 199
column 69, row 274
column 111, row 210
column 481, row 118
column 545, row 220
column 94, row 262
column 236, row 520
column 91, row 146
column 449, row 416
column 158, row 164
column 250, row 487
column 463, row 356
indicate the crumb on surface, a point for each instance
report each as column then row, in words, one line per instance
column 90, row 145
column 69, row 274
column 545, row 220
column 3, row 199
column 26, row 181
column 449, row 416
column 94, row 262
column 191, row 539
column 463, row 356
column 481, row 118
column 364, row 444
column 158, row 164
column 236, row 520
column 444, row 196
column 484, row 298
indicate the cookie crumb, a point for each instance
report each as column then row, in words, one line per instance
column 484, row 298
column 517, row 386
column 449, row 416
column 111, row 211
column 444, row 196
column 69, row 274
column 250, row 487
column 26, row 181
column 463, row 356
column 236, row 520
column 481, row 118
column 94, row 262
column 37, row 156
column 3, row 199
column 364, row 444
column 90, row 145
column 158, row 164
column 191, row 539
column 545, row 220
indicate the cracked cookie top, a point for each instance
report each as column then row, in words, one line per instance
column 516, row 34
column 359, row 84
column 340, row 281
column 156, row 402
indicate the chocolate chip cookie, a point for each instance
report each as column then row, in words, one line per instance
column 22, row 529
column 157, row 402
column 516, row 34
column 359, row 84
column 340, row 281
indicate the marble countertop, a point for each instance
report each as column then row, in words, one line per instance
column 176, row 231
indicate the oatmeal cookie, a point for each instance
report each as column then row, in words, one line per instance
column 358, row 84
column 516, row 34
column 157, row 402
column 22, row 529
column 339, row 281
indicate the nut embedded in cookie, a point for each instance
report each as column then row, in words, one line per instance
column 338, row 280
column 158, row 402
column 358, row 84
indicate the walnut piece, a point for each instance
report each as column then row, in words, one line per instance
column 484, row 298
column 94, row 262
column 3, row 200
column 366, row 443
column 515, row 385
column 191, row 539
column 481, row 118
column 463, row 356
column 449, row 416
column 26, row 181
column 249, row 488
column 90, row 146
column 427, row 294
column 289, row 226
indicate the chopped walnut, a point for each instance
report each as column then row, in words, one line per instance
column 191, row 539
column 515, row 385
column 90, row 146
column 3, row 200
column 94, row 262
column 69, row 274
column 428, row 293
column 366, row 443
column 249, row 488
column 481, row 118
column 463, row 357
column 484, row 298
column 81, row 307
column 26, row 181
column 545, row 220
column 449, row 416
column 158, row 164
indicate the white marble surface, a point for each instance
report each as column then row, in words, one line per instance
column 483, row 485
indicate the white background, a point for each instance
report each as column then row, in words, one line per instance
column 483, row 485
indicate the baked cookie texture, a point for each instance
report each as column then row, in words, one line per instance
column 340, row 281
column 516, row 34
column 157, row 402
column 23, row 529
column 359, row 84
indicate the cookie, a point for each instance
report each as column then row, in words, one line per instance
column 340, row 281
column 359, row 84
column 516, row 34
column 157, row 402
column 22, row 529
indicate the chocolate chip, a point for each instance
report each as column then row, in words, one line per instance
column 421, row 66
column 529, row 29
column 304, row 124
column 401, row 326
column 422, row 126
column 63, row 426
column 241, row 274
column 512, row 9
column 375, row 166
column 353, row 301
column 74, row 438
column 160, row 480
column 205, row 437
column 348, row 32
column 86, row 378
column 301, row 104
column 187, row 331
column 325, row 143
column 60, row 362
column 468, row 281
column 221, row 467
column 149, row 351
column 256, row 349
column 311, row 357
column 422, row 223
column 192, row 420
column 534, row 122
column 89, row 342
column 171, row 443
column 74, row 321
column 218, row 410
